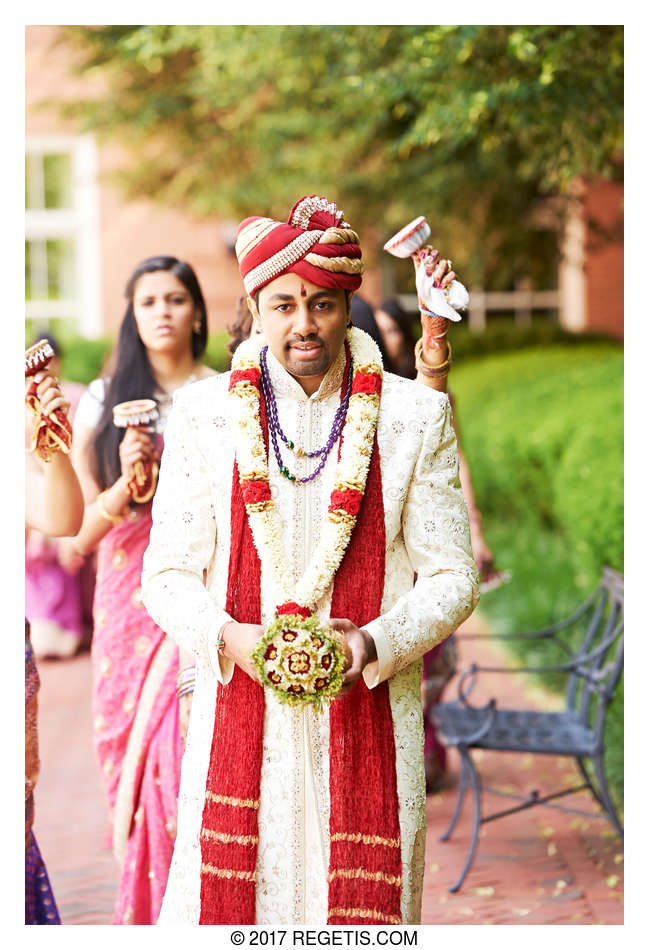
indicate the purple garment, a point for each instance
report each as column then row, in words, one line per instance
column 40, row 906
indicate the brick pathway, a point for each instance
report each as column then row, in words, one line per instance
column 539, row 866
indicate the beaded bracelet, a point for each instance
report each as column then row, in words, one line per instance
column 433, row 372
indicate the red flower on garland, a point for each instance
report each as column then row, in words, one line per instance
column 254, row 491
column 366, row 383
column 349, row 500
column 293, row 608
column 252, row 375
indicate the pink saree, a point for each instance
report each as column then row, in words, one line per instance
column 135, row 721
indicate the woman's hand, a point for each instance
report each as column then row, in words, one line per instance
column 482, row 554
column 137, row 445
column 48, row 390
column 68, row 557
column 435, row 266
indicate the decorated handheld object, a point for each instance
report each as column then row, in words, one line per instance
column 139, row 414
column 302, row 660
column 52, row 433
column 441, row 304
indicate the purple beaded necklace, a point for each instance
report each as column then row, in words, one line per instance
column 275, row 428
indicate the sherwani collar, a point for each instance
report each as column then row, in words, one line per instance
column 287, row 385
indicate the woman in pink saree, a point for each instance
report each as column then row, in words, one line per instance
column 138, row 722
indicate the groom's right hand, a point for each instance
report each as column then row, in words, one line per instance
column 240, row 639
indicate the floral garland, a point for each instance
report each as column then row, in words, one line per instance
column 300, row 598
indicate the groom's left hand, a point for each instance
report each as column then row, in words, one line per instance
column 362, row 648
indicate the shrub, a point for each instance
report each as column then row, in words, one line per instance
column 542, row 429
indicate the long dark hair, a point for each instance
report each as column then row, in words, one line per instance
column 362, row 316
column 405, row 365
column 133, row 377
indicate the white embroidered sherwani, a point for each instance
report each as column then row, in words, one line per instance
column 427, row 533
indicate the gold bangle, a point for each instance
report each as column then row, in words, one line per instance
column 434, row 372
column 114, row 519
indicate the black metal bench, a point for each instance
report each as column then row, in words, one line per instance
column 578, row 730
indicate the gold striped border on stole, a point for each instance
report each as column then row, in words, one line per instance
column 366, row 839
column 230, row 800
column 368, row 913
column 229, row 873
column 366, row 875
column 224, row 838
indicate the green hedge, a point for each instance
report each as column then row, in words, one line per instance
column 542, row 428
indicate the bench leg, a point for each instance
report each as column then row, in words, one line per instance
column 604, row 793
column 586, row 776
column 459, row 801
column 474, row 781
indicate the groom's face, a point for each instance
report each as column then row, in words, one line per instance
column 304, row 326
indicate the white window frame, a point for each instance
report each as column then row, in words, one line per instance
column 80, row 223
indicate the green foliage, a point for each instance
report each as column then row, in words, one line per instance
column 84, row 360
column 542, row 429
column 216, row 354
column 469, row 124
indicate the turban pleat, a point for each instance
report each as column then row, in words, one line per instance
column 315, row 243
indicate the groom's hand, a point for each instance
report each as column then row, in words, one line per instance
column 361, row 651
column 240, row 639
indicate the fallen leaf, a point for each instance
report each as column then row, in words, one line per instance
column 608, row 833
column 434, row 867
column 560, row 885
column 619, row 858
column 546, row 832
column 521, row 911
column 552, row 849
column 527, row 762
column 577, row 916
column 483, row 891
column 467, row 911
column 612, row 880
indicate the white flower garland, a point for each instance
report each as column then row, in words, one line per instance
column 351, row 473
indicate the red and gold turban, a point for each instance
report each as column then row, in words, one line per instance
column 316, row 243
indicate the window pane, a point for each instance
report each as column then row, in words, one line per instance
column 57, row 172
column 34, row 186
column 35, row 270
column 60, row 270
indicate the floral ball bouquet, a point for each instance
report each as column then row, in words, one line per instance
column 301, row 660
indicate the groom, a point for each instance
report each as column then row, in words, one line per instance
column 305, row 479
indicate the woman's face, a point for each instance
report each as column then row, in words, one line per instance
column 165, row 312
column 392, row 336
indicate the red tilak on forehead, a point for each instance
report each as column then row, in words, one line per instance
column 302, row 290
